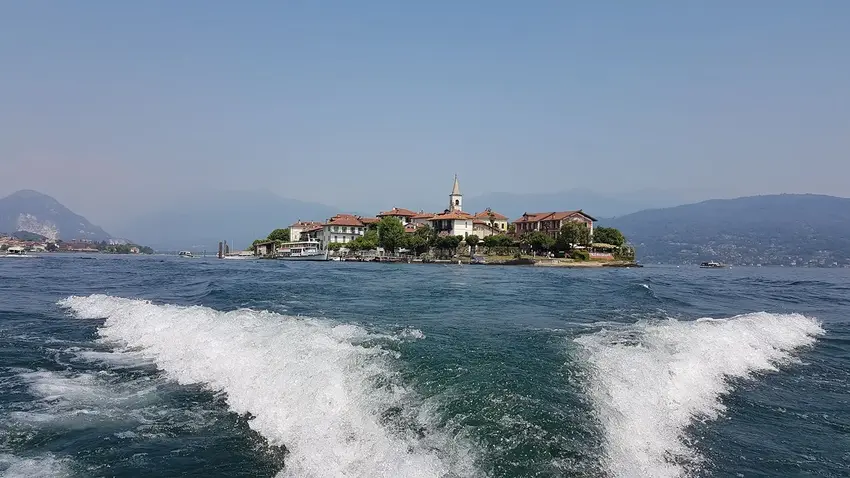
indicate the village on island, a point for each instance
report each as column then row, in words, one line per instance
column 558, row 238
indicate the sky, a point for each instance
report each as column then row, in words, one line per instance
column 115, row 107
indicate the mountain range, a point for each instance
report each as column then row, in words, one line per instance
column 37, row 213
column 784, row 229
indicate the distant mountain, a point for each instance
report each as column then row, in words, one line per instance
column 786, row 229
column 37, row 213
column 593, row 203
column 198, row 223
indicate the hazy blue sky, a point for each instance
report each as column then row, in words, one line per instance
column 109, row 105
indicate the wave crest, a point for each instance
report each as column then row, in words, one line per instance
column 319, row 389
column 650, row 381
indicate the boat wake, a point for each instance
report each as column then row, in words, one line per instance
column 650, row 381
column 328, row 393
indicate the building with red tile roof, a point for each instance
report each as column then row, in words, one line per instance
column 299, row 226
column 551, row 222
column 422, row 217
column 493, row 219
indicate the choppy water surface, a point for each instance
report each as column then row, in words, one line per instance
column 153, row 366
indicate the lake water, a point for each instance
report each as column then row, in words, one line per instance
column 159, row 366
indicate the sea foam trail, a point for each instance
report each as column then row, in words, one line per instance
column 650, row 381
column 46, row 466
column 307, row 384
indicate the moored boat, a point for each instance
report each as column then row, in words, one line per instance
column 301, row 251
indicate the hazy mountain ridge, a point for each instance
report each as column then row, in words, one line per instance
column 785, row 229
column 199, row 222
column 37, row 213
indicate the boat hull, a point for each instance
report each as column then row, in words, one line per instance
column 316, row 257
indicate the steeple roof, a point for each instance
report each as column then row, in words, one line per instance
column 456, row 188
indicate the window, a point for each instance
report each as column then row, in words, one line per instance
column 336, row 239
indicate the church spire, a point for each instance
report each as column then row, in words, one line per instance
column 456, row 188
column 456, row 198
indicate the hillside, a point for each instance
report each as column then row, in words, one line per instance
column 37, row 213
column 770, row 230
column 198, row 223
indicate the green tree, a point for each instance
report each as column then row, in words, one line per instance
column 540, row 241
column 448, row 244
column 472, row 241
column 390, row 234
column 279, row 235
column 511, row 228
column 417, row 243
column 608, row 235
column 334, row 246
column 572, row 234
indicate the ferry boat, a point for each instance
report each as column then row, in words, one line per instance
column 301, row 251
column 712, row 265
column 16, row 251
column 187, row 254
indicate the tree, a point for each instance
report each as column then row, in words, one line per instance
column 279, row 235
column 472, row 241
column 511, row 228
column 448, row 244
column 608, row 235
column 390, row 233
column 572, row 234
column 334, row 246
column 540, row 242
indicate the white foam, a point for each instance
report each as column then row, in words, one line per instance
column 650, row 381
column 47, row 466
column 70, row 400
column 310, row 385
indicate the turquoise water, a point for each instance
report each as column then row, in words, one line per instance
column 152, row 366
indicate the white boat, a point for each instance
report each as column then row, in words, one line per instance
column 16, row 251
column 712, row 265
column 186, row 254
column 301, row 251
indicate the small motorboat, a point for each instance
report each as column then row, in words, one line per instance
column 712, row 265
column 186, row 254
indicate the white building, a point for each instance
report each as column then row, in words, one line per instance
column 455, row 222
column 342, row 229
column 300, row 226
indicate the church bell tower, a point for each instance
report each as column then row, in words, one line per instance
column 456, row 198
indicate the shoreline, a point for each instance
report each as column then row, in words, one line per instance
column 528, row 262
